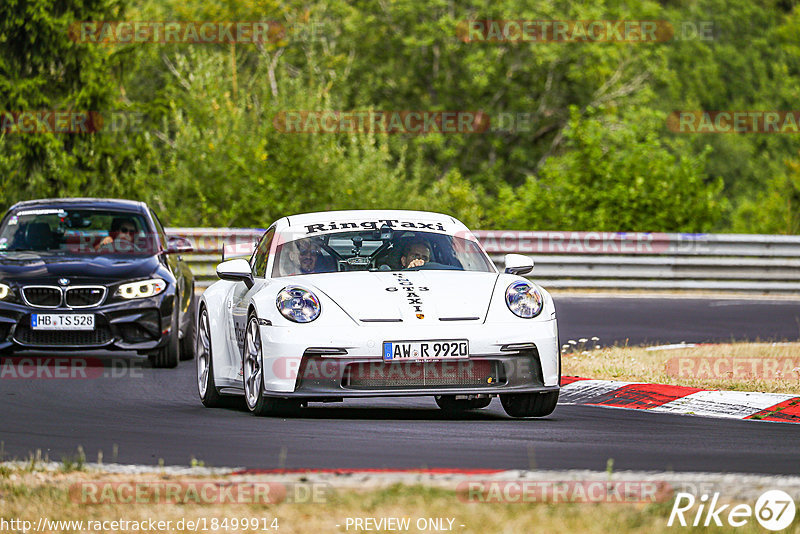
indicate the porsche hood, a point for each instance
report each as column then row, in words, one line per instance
column 407, row 296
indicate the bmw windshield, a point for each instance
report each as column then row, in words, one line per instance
column 76, row 231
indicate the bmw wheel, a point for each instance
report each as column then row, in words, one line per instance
column 167, row 356
column 188, row 341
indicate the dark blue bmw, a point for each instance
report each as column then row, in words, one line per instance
column 87, row 273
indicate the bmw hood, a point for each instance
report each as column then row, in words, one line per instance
column 408, row 296
column 30, row 266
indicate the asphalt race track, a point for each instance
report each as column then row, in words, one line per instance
column 149, row 415
column 640, row 321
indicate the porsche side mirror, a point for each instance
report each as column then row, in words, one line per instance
column 518, row 264
column 178, row 245
column 236, row 271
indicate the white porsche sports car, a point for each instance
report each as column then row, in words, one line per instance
column 347, row 304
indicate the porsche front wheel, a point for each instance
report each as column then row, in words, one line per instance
column 530, row 404
column 253, row 376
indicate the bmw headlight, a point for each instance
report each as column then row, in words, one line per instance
column 298, row 304
column 5, row 291
column 524, row 300
column 141, row 289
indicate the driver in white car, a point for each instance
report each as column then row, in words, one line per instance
column 416, row 254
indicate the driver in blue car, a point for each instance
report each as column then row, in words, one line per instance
column 120, row 237
column 415, row 254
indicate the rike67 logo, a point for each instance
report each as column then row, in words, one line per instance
column 774, row 510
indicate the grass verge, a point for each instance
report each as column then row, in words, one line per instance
column 767, row 367
column 30, row 494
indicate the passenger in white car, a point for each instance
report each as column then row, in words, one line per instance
column 310, row 259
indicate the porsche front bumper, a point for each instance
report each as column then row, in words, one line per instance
column 332, row 363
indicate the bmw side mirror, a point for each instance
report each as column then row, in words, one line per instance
column 518, row 264
column 179, row 245
column 236, row 271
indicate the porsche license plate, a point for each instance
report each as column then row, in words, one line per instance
column 53, row 321
column 439, row 349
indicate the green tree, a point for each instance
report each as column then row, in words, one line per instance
column 615, row 174
column 775, row 209
column 42, row 69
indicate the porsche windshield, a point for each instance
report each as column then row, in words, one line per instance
column 76, row 231
column 379, row 250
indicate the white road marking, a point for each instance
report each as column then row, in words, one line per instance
column 586, row 390
column 728, row 404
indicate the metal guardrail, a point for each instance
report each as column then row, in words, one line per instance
column 595, row 260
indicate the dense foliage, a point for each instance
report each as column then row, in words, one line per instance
column 578, row 139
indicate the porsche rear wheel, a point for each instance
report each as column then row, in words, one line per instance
column 449, row 403
column 253, row 377
column 529, row 404
column 206, row 386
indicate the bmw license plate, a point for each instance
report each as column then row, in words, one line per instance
column 438, row 349
column 53, row 321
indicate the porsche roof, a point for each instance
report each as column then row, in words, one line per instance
column 307, row 218
column 328, row 221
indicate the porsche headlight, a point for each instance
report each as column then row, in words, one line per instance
column 5, row 291
column 298, row 304
column 141, row 289
column 524, row 300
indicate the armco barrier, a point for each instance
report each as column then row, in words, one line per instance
column 595, row 260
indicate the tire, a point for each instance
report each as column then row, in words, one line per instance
column 189, row 340
column 253, row 377
column 206, row 385
column 167, row 356
column 449, row 403
column 530, row 404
